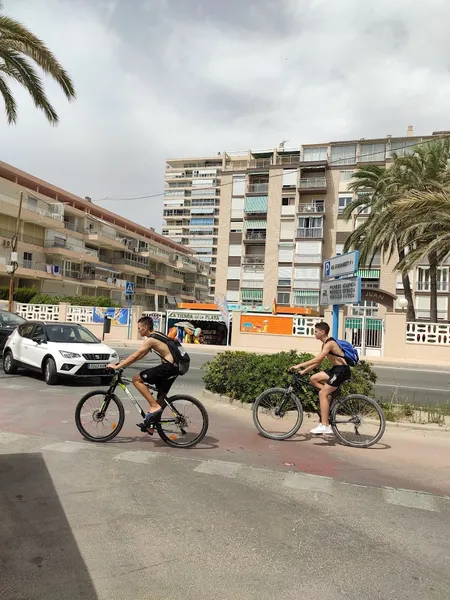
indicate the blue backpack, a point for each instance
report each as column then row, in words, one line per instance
column 350, row 352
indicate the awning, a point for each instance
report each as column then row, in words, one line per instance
column 369, row 273
column 250, row 172
column 256, row 224
column 306, row 293
column 256, row 204
column 252, row 294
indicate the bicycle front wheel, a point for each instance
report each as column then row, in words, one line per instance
column 277, row 414
column 99, row 416
column 184, row 422
column 353, row 413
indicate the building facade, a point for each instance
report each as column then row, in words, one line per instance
column 69, row 246
column 278, row 216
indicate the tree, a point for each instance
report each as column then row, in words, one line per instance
column 377, row 234
column 19, row 49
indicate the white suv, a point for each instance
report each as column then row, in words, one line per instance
column 57, row 350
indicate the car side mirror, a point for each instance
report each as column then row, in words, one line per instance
column 38, row 340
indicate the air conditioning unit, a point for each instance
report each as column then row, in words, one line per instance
column 7, row 243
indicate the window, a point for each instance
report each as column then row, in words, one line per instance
column 288, row 201
column 7, row 318
column 310, row 222
column 284, row 298
column 200, row 221
column 403, row 148
column 25, row 330
column 204, row 202
column 315, row 154
column 236, row 228
column 344, row 201
column 339, row 249
column 343, row 155
column 372, row 153
column 73, row 334
column 345, row 175
column 38, row 333
column 424, row 282
column 32, row 202
column 306, row 298
column 284, row 283
column 27, row 260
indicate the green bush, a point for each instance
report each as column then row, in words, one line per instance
column 244, row 376
column 74, row 300
column 22, row 295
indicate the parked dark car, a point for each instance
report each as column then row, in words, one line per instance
column 8, row 323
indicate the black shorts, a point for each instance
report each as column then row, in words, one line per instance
column 162, row 376
column 338, row 375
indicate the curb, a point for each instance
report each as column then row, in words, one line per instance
column 389, row 424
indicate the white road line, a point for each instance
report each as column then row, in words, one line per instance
column 310, row 483
column 218, row 467
column 137, row 456
column 415, row 369
column 67, row 447
column 410, row 387
column 410, row 499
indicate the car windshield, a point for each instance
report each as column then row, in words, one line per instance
column 70, row 334
column 8, row 318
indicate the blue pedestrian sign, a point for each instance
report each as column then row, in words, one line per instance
column 129, row 288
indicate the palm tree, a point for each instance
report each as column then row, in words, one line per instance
column 378, row 234
column 19, row 49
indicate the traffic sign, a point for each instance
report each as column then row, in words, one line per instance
column 129, row 288
column 341, row 291
column 343, row 264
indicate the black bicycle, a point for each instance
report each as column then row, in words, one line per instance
column 103, row 411
column 348, row 415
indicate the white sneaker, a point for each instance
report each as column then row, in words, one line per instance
column 321, row 429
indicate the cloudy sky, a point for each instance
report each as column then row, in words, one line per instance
column 167, row 78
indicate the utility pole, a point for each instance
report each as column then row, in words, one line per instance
column 14, row 265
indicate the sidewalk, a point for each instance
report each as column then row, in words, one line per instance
column 379, row 361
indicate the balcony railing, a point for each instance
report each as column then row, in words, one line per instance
column 255, row 259
column 425, row 286
column 73, row 227
column 45, row 212
column 313, row 183
column 252, row 285
column 290, row 159
column 308, row 258
column 71, row 247
column 307, row 284
column 313, row 207
column 313, row 232
column 258, row 188
column 256, row 235
column 130, row 263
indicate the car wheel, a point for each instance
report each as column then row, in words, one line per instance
column 50, row 375
column 9, row 364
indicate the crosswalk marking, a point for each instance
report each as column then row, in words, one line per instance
column 67, row 447
column 137, row 456
column 410, row 499
column 310, row 483
column 218, row 467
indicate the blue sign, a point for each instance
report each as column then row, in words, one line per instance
column 129, row 288
column 327, row 268
column 118, row 316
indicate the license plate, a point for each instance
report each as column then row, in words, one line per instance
column 97, row 366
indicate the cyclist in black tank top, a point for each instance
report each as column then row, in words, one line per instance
column 327, row 381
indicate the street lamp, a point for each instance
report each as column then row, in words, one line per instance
column 403, row 303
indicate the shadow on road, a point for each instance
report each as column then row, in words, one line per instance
column 208, row 442
column 39, row 556
column 325, row 441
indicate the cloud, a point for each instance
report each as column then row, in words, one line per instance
column 167, row 78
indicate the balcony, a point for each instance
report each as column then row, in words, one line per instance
column 157, row 254
column 255, row 236
column 308, row 259
column 39, row 213
column 71, row 226
column 257, row 188
column 131, row 266
column 254, row 259
column 313, row 207
column 313, row 184
column 105, row 239
column 425, row 286
column 289, row 159
column 99, row 280
column 307, row 284
column 57, row 248
column 252, row 285
column 312, row 232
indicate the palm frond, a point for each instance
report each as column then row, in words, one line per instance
column 10, row 103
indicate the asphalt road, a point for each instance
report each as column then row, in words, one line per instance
column 407, row 384
column 238, row 518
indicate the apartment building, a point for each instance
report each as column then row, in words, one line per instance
column 191, row 205
column 70, row 246
column 279, row 214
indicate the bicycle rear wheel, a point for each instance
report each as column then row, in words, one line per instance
column 184, row 422
column 350, row 414
column 276, row 410
column 95, row 421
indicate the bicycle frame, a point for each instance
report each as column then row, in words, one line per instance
column 303, row 384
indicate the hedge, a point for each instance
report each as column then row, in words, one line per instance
column 75, row 300
column 244, row 376
column 23, row 295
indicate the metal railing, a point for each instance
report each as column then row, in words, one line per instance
column 73, row 227
column 313, row 207
column 257, row 188
column 44, row 212
column 290, row 159
column 130, row 263
column 256, row 259
column 256, row 235
column 71, row 247
column 313, row 232
column 307, row 284
column 313, row 182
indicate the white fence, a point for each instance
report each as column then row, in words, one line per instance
column 432, row 334
column 38, row 312
column 80, row 314
column 304, row 326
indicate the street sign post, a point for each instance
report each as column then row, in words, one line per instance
column 129, row 293
column 338, row 288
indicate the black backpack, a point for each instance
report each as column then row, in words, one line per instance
column 179, row 354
